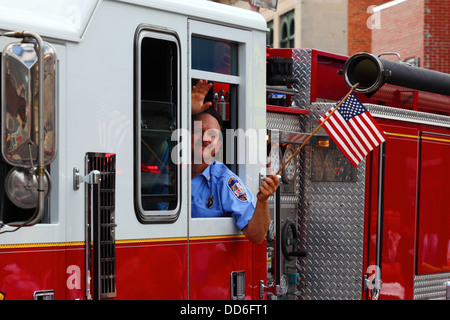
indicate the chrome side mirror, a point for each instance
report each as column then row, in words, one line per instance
column 28, row 124
column 21, row 104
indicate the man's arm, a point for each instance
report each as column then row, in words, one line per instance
column 258, row 225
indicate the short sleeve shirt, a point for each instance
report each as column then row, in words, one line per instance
column 219, row 192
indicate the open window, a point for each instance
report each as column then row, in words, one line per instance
column 221, row 56
column 157, row 116
column 214, row 58
column 223, row 97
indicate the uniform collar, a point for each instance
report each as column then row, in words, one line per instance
column 207, row 172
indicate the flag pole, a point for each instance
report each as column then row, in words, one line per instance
column 317, row 129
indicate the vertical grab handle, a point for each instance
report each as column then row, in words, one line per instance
column 380, row 217
column 92, row 214
column 95, row 209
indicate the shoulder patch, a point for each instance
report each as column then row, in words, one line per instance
column 237, row 189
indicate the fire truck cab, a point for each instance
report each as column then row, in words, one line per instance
column 114, row 169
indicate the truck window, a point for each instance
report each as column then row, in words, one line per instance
column 156, row 118
column 213, row 56
column 223, row 56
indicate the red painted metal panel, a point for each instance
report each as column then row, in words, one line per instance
column 285, row 110
column 281, row 53
column 75, row 273
column 211, row 262
column 326, row 81
column 434, row 211
column 259, row 268
column 152, row 270
column 400, row 202
column 399, row 212
column 26, row 270
column 416, row 233
column 146, row 269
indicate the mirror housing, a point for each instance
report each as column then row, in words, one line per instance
column 28, row 120
column 20, row 103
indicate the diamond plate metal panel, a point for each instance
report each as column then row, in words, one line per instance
column 431, row 286
column 408, row 115
column 330, row 215
column 283, row 122
column 302, row 72
column 331, row 226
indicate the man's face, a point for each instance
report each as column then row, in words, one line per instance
column 206, row 138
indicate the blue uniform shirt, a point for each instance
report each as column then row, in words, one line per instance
column 218, row 192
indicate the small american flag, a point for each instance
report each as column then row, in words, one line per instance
column 353, row 129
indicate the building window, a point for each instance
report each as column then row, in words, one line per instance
column 157, row 108
column 287, row 35
column 269, row 34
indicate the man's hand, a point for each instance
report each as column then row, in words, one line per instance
column 268, row 187
column 257, row 227
column 198, row 94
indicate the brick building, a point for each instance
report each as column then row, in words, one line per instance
column 418, row 30
column 437, row 35
column 359, row 34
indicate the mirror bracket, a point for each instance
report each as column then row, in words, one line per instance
column 92, row 178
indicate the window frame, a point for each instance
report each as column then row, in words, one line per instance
column 216, row 226
column 270, row 34
column 154, row 216
column 287, row 20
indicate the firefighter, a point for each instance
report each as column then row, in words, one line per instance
column 216, row 190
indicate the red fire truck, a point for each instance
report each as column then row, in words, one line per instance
column 380, row 230
column 95, row 190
